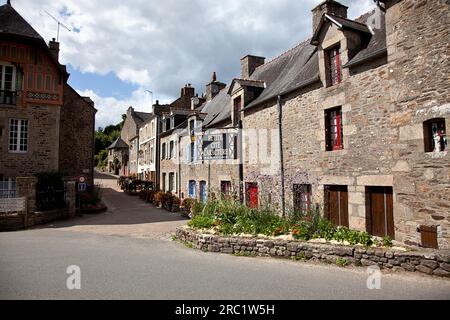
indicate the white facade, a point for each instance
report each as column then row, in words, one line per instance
column 147, row 150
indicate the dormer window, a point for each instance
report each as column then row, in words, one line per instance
column 334, row 66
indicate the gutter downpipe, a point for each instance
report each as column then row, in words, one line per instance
column 280, row 130
column 179, row 166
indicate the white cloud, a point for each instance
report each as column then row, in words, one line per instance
column 164, row 44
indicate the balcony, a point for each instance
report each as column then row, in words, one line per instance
column 8, row 97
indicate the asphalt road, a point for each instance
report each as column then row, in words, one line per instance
column 118, row 263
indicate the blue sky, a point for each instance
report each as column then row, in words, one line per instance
column 119, row 49
column 103, row 85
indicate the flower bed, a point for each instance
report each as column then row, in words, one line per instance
column 429, row 262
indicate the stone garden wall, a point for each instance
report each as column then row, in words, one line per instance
column 431, row 262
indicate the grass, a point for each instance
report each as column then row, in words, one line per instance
column 342, row 262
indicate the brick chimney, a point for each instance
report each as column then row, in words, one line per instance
column 249, row 64
column 214, row 87
column 328, row 7
column 54, row 48
column 188, row 91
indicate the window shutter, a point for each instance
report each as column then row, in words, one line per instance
column 328, row 143
column 188, row 153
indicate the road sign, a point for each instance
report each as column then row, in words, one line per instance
column 82, row 187
column 82, row 179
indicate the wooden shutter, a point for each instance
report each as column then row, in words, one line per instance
column 429, row 237
column 328, row 140
column 427, row 137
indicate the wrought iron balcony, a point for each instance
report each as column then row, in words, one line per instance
column 8, row 97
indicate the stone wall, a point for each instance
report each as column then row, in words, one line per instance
column 43, row 140
column 169, row 165
column 77, row 136
column 428, row 262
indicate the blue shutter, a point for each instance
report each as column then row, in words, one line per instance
column 188, row 153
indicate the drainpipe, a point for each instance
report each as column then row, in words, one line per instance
column 241, row 162
column 280, row 130
column 179, row 167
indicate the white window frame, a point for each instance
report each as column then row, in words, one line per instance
column 3, row 65
column 19, row 133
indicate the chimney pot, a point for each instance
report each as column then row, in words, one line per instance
column 328, row 7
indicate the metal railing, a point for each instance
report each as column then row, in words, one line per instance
column 8, row 97
column 8, row 189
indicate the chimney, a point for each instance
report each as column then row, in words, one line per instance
column 249, row 64
column 188, row 91
column 54, row 48
column 328, row 7
column 214, row 87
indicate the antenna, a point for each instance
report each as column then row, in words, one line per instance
column 59, row 24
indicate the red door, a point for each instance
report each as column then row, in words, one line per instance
column 252, row 195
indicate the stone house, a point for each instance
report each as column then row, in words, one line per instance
column 45, row 125
column 130, row 136
column 170, row 118
column 147, row 149
column 118, row 154
column 353, row 120
column 208, row 147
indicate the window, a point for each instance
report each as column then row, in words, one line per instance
column 192, row 153
column 18, row 135
column 171, row 150
column 225, row 188
column 7, row 85
column 171, row 181
column 334, row 131
column 192, row 127
column 163, row 182
column 333, row 57
column 237, row 110
column 151, row 155
column 192, row 189
column 163, row 151
column 302, row 197
column 435, row 137
column 7, row 78
column 168, row 123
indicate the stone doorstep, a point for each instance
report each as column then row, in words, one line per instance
column 435, row 263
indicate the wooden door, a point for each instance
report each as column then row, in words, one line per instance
column 336, row 205
column 252, row 195
column 380, row 211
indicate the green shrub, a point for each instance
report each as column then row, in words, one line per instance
column 197, row 208
column 325, row 229
column 202, row 222
column 387, row 242
column 342, row 262
column 302, row 231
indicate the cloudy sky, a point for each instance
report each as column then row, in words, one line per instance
column 117, row 50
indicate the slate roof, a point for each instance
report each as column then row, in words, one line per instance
column 11, row 22
column 218, row 109
column 118, row 144
column 299, row 66
column 141, row 117
column 377, row 43
column 293, row 69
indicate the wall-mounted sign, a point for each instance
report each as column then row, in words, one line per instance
column 220, row 146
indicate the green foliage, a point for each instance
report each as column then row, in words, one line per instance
column 342, row 262
column 230, row 217
column 387, row 242
column 299, row 257
column 103, row 139
column 202, row 222
column 197, row 209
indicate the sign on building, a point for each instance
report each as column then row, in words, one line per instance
column 220, row 146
